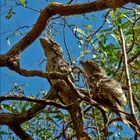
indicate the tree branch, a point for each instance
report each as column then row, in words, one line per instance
column 20, row 132
column 12, row 56
column 32, row 99
column 49, row 75
column 134, row 57
column 131, row 103
column 6, row 118
column 61, row 9
column 126, row 71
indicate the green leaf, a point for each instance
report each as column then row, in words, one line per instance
column 89, row 27
column 110, row 133
column 12, row 107
column 23, row 2
column 114, row 36
column 49, row 134
column 3, row 133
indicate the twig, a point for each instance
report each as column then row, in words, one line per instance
column 130, row 49
column 104, row 22
column 137, row 103
column 49, row 75
column 134, row 57
column 64, row 37
column 126, row 71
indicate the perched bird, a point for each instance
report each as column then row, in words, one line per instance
column 107, row 92
column 57, row 63
column 54, row 55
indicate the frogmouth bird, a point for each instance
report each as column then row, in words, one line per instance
column 54, row 55
column 57, row 63
column 107, row 92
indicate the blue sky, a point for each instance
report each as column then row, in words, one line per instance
column 28, row 17
column 33, row 55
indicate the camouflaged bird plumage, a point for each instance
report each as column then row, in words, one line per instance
column 54, row 55
column 57, row 63
column 104, row 90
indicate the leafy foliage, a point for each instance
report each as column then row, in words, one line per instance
column 96, row 39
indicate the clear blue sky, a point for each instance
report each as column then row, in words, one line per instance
column 33, row 55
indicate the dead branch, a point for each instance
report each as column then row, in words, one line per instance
column 131, row 103
column 126, row 71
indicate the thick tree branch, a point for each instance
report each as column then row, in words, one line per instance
column 20, row 132
column 61, row 9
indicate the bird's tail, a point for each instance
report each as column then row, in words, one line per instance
column 122, row 115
